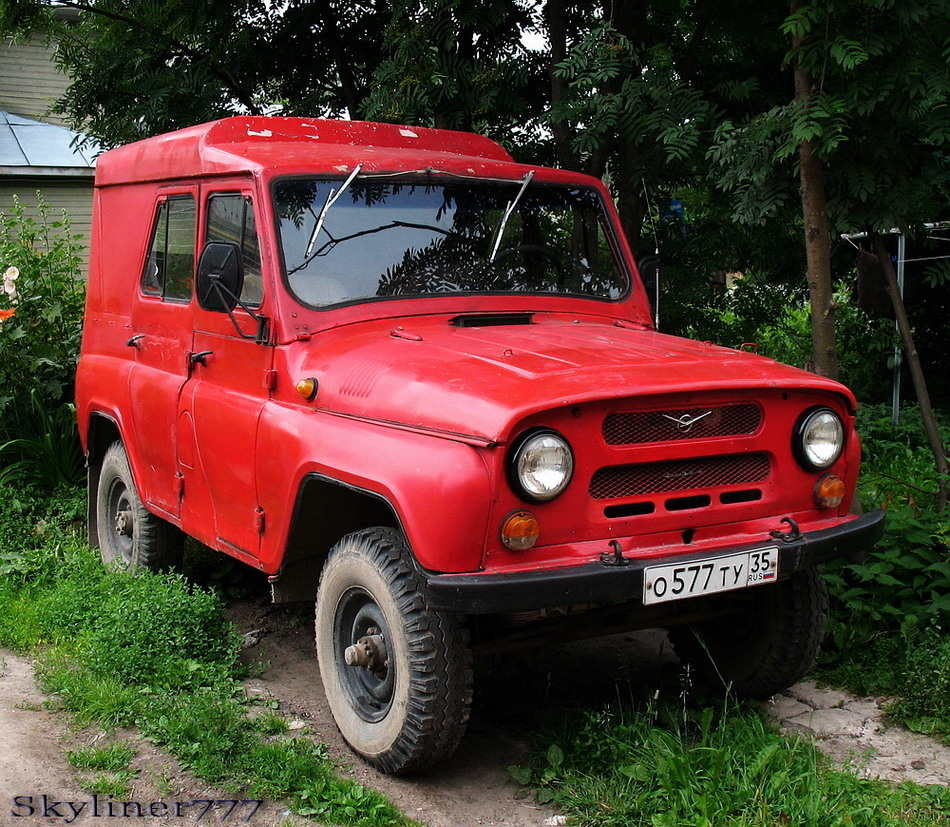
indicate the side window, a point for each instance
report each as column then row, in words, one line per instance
column 170, row 266
column 231, row 218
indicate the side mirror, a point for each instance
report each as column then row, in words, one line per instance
column 220, row 276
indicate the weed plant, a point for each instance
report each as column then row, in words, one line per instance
column 41, row 307
column 45, row 449
column 717, row 765
column 154, row 651
column 891, row 607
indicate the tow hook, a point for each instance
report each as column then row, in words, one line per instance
column 792, row 535
column 616, row 558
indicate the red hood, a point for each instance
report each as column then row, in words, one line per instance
column 479, row 381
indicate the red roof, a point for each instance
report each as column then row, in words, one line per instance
column 255, row 144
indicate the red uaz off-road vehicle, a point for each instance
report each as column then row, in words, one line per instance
column 405, row 376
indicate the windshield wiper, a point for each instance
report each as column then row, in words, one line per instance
column 331, row 200
column 508, row 211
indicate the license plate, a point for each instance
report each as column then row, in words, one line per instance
column 677, row 581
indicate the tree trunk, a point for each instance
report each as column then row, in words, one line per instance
column 352, row 97
column 555, row 18
column 817, row 238
column 916, row 372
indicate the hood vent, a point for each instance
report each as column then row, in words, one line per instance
column 491, row 320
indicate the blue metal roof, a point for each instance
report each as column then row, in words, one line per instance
column 31, row 147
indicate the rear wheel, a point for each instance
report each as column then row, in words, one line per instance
column 398, row 676
column 765, row 648
column 130, row 536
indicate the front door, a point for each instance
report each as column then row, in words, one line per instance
column 229, row 386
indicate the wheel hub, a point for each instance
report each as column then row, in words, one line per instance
column 123, row 523
column 369, row 653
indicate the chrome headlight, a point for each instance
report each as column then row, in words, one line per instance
column 541, row 465
column 819, row 439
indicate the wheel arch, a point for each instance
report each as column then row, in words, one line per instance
column 325, row 511
column 103, row 430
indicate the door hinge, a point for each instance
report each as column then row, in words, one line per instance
column 259, row 520
column 270, row 379
column 180, row 486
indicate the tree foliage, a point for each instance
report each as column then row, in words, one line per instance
column 457, row 65
column 665, row 99
column 141, row 68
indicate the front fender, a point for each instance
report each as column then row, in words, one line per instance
column 439, row 489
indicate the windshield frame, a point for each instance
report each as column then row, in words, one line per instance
column 604, row 219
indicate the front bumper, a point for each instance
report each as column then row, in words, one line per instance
column 490, row 593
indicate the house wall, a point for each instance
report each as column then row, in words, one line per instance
column 29, row 84
column 73, row 196
column 29, row 80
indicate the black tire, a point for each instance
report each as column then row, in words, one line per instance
column 130, row 536
column 406, row 706
column 766, row 648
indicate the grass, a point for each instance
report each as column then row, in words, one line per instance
column 156, row 652
column 114, row 757
column 719, row 765
column 112, row 764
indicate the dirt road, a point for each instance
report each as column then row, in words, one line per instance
column 38, row 786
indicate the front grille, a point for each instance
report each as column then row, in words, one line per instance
column 640, row 427
column 678, row 475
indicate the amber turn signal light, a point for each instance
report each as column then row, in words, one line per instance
column 830, row 491
column 520, row 530
column 307, row 388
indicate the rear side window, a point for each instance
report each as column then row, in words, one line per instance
column 170, row 266
column 231, row 218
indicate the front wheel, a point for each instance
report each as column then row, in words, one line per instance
column 766, row 647
column 130, row 536
column 397, row 675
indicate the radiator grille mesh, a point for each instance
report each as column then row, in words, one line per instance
column 640, row 427
column 679, row 475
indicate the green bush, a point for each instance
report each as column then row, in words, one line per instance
column 925, row 696
column 777, row 320
column 889, row 607
column 906, row 577
column 154, row 651
column 41, row 306
column 46, row 451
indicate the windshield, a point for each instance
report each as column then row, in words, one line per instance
column 344, row 241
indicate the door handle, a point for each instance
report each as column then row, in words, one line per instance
column 134, row 341
column 200, row 358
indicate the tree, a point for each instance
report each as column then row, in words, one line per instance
column 815, row 209
column 659, row 97
column 889, row 133
column 870, row 128
column 457, row 65
column 139, row 69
